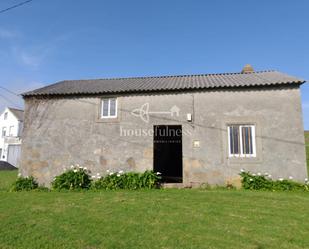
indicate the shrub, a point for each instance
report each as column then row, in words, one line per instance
column 77, row 178
column 255, row 182
column 111, row 181
column 130, row 180
column 288, row 185
column 24, row 184
column 150, row 179
column 264, row 182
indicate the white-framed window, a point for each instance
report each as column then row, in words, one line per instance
column 241, row 140
column 3, row 131
column 11, row 131
column 109, row 108
column 5, row 117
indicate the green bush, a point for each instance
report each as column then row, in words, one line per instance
column 255, row 182
column 130, row 180
column 264, row 182
column 288, row 185
column 77, row 178
column 24, row 184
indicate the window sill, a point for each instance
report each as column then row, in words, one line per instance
column 240, row 160
column 108, row 120
column 242, row 156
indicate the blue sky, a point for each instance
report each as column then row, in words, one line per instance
column 50, row 40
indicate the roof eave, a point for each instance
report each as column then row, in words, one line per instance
column 189, row 89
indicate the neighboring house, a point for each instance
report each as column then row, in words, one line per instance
column 193, row 128
column 11, row 125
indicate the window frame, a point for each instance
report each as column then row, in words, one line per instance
column 11, row 129
column 241, row 154
column 3, row 132
column 5, row 116
column 109, row 109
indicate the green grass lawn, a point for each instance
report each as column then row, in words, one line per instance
column 6, row 179
column 153, row 219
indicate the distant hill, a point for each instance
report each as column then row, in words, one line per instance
column 307, row 148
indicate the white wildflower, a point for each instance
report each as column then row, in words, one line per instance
column 269, row 176
column 306, row 179
column 98, row 174
column 93, row 176
column 259, row 174
column 107, row 171
column 111, row 173
column 242, row 170
column 72, row 166
column 254, row 174
column 98, row 177
column 250, row 179
column 280, row 179
column 85, row 168
column 75, row 170
column 118, row 175
column 266, row 174
column 19, row 175
column 120, row 172
column 291, row 177
column 158, row 173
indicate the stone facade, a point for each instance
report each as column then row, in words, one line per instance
column 62, row 131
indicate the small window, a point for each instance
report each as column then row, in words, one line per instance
column 109, row 108
column 5, row 117
column 3, row 131
column 11, row 132
column 241, row 140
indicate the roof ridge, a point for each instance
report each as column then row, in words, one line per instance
column 13, row 108
column 165, row 76
column 167, row 82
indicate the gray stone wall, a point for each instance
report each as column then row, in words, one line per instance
column 59, row 132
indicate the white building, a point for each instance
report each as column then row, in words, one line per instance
column 11, row 125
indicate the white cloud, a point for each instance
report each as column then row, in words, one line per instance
column 35, row 55
column 32, row 57
column 5, row 34
column 30, row 53
column 31, row 60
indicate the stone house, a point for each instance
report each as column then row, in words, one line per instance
column 11, row 126
column 192, row 128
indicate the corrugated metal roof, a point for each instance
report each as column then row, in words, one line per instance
column 166, row 83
